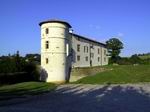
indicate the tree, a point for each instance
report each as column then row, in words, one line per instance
column 114, row 46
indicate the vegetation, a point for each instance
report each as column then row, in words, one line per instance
column 134, row 59
column 15, row 69
column 16, row 63
column 11, row 64
column 144, row 56
column 34, row 58
column 114, row 46
column 24, row 89
column 120, row 74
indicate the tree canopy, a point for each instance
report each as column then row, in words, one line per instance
column 114, row 46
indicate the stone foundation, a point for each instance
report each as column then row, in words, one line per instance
column 78, row 73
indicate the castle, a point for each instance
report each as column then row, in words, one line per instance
column 62, row 50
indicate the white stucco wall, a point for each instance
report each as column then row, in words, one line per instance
column 81, row 53
column 58, row 37
column 94, row 50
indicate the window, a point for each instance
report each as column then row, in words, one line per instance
column 46, row 44
column 46, row 60
column 98, row 50
column 104, row 59
column 46, row 30
column 98, row 59
column 104, row 52
column 84, row 48
column 86, row 58
column 78, row 58
column 87, row 49
column 78, row 47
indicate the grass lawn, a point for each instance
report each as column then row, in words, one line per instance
column 24, row 89
column 119, row 74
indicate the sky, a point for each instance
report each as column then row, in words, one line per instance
column 128, row 20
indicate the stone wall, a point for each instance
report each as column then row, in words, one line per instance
column 78, row 73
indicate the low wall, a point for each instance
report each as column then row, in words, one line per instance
column 78, row 73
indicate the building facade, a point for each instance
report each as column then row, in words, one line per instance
column 87, row 52
column 62, row 50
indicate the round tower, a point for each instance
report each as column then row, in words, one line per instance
column 55, row 42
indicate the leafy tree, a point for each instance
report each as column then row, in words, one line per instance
column 114, row 46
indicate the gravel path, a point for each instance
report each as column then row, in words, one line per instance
column 87, row 98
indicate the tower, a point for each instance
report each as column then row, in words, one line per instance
column 55, row 50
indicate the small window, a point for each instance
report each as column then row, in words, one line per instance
column 104, row 59
column 78, row 58
column 84, row 48
column 98, row 59
column 46, row 30
column 78, row 47
column 104, row 52
column 87, row 49
column 98, row 50
column 46, row 60
column 86, row 58
column 46, row 44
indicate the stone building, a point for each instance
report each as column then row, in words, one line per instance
column 61, row 51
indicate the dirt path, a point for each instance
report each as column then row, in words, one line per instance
column 87, row 98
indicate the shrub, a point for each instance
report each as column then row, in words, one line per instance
column 23, row 72
column 124, row 61
column 32, row 70
column 135, row 59
column 12, row 78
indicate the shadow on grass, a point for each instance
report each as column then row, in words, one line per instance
column 79, row 98
column 21, row 90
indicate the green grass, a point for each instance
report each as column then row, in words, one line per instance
column 119, row 74
column 24, row 89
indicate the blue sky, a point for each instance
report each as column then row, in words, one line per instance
column 129, row 20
